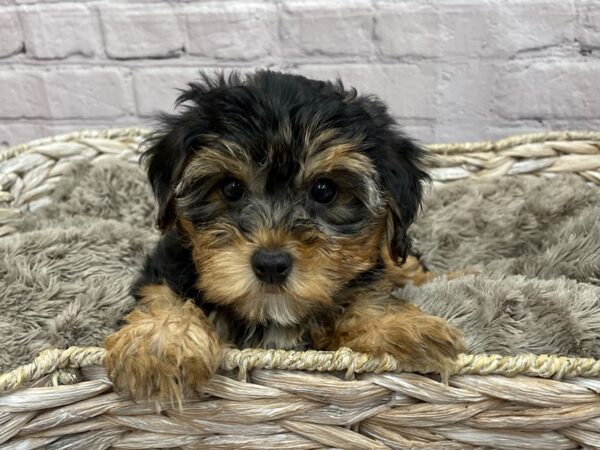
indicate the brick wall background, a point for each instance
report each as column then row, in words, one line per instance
column 450, row 69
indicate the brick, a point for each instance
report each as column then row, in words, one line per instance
column 11, row 37
column 14, row 134
column 132, row 32
column 333, row 28
column 238, row 31
column 501, row 28
column 501, row 129
column 18, row 133
column 156, row 89
column 467, row 28
column 422, row 133
column 407, row 29
column 29, row 2
column 88, row 93
column 460, row 131
column 534, row 24
column 588, row 28
column 408, row 89
column 464, row 90
column 557, row 89
column 59, row 31
column 23, row 95
column 64, row 94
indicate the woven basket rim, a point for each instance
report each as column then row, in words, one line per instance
column 109, row 133
column 341, row 360
column 442, row 148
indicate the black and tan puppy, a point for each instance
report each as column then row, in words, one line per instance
column 284, row 204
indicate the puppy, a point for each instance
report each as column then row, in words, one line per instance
column 284, row 204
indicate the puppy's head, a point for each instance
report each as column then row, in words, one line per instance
column 287, row 189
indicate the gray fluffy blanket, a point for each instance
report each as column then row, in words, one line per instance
column 64, row 278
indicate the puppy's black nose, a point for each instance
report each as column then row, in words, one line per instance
column 271, row 266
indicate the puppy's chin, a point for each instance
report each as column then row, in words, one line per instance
column 266, row 304
column 276, row 307
column 270, row 289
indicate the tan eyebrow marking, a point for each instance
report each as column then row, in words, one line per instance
column 343, row 155
column 228, row 157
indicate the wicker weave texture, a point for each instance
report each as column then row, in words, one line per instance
column 275, row 408
column 277, row 399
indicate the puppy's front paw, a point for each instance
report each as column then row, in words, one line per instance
column 162, row 350
column 424, row 342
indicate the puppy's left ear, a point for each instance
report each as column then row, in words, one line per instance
column 399, row 166
column 399, row 163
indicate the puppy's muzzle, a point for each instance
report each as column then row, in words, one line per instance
column 271, row 266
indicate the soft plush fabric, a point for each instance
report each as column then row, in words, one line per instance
column 64, row 278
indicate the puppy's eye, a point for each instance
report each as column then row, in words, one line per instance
column 323, row 191
column 232, row 189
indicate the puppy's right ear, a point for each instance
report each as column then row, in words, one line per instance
column 180, row 135
column 165, row 158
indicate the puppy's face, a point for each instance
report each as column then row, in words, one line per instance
column 276, row 238
column 286, row 188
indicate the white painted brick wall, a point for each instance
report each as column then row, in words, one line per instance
column 60, row 31
column 11, row 37
column 450, row 69
column 317, row 29
column 140, row 31
column 232, row 31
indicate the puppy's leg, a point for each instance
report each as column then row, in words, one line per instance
column 166, row 345
column 378, row 323
column 413, row 271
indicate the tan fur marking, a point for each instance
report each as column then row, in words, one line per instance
column 315, row 141
column 230, row 159
column 412, row 271
column 167, row 345
column 343, row 156
column 340, row 156
column 376, row 323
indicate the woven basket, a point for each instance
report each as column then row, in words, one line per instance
column 275, row 399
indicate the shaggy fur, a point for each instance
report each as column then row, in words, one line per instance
column 278, row 197
column 170, row 335
column 64, row 278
